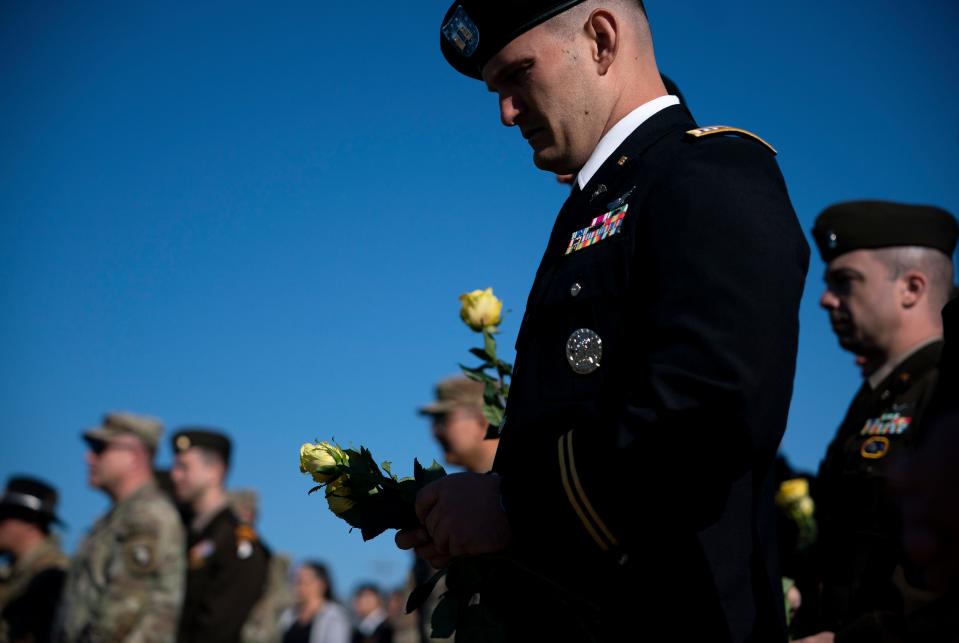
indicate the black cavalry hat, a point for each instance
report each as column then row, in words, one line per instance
column 858, row 225
column 473, row 31
column 30, row 500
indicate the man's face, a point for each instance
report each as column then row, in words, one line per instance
column 460, row 433
column 542, row 81
column 365, row 603
column 862, row 302
column 11, row 532
column 110, row 461
column 193, row 474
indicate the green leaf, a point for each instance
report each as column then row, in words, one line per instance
column 422, row 592
column 426, row 475
column 315, row 489
column 476, row 374
column 481, row 354
column 443, row 623
column 493, row 414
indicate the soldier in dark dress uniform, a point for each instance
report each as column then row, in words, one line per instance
column 655, row 360
column 227, row 564
column 888, row 276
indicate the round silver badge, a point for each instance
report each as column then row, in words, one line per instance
column 584, row 350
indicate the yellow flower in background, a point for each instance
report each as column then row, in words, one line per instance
column 338, row 496
column 320, row 460
column 792, row 491
column 481, row 309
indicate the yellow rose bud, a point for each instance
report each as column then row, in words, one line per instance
column 320, row 460
column 481, row 309
column 806, row 507
column 791, row 491
column 338, row 496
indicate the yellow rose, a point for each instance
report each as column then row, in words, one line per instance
column 806, row 507
column 320, row 460
column 791, row 491
column 481, row 309
column 338, row 496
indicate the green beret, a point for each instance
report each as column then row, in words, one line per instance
column 857, row 225
column 473, row 31
column 203, row 438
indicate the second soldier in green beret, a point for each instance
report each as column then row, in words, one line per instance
column 889, row 273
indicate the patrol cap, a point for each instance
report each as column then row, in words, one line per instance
column 115, row 424
column 203, row 438
column 30, row 500
column 473, row 31
column 455, row 392
column 858, row 225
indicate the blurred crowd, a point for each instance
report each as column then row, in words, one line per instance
column 868, row 546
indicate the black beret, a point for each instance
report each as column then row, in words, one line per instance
column 857, row 225
column 473, row 31
column 211, row 440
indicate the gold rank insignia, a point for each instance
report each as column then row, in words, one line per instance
column 721, row 130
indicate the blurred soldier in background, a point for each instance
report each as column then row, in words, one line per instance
column 263, row 625
column 372, row 625
column 30, row 588
column 459, row 425
column 889, row 274
column 126, row 580
column 227, row 563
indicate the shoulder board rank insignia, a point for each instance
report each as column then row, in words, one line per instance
column 720, row 130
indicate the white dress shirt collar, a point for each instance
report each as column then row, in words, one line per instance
column 619, row 132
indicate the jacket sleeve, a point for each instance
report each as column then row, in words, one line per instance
column 717, row 272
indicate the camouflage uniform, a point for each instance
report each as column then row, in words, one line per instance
column 263, row 624
column 29, row 592
column 126, row 582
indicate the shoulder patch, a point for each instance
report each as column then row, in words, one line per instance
column 140, row 555
column 720, row 130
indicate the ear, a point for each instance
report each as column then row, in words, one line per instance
column 603, row 29
column 915, row 285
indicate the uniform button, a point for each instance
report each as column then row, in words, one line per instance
column 575, row 289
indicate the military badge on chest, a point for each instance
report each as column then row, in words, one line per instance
column 200, row 552
column 603, row 227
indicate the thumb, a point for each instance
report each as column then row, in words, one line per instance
column 426, row 499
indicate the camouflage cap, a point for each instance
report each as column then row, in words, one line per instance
column 115, row 424
column 455, row 392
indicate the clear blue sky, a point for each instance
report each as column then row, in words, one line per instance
column 260, row 215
